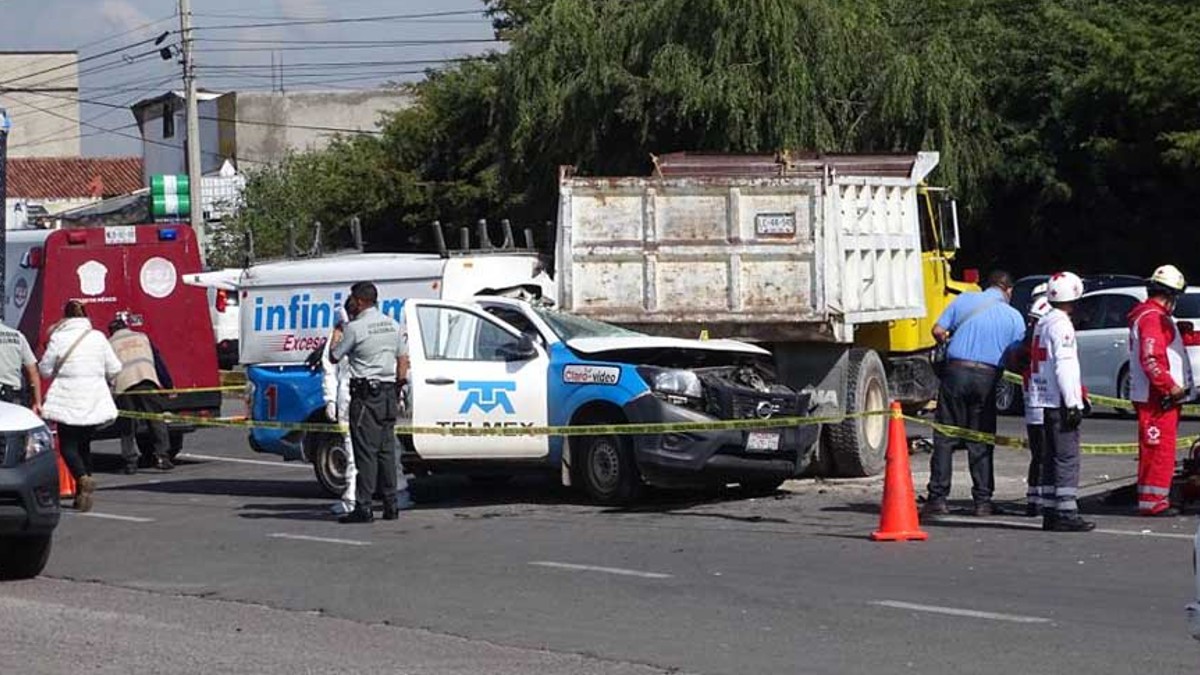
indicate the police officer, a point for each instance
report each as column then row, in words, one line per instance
column 372, row 343
column 1056, row 388
column 15, row 357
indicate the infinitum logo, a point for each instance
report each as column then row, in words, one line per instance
column 301, row 312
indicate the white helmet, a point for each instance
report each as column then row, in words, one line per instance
column 1039, row 308
column 1168, row 278
column 1039, row 290
column 1064, row 287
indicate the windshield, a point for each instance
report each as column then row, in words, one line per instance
column 569, row 326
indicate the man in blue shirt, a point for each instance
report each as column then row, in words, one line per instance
column 980, row 328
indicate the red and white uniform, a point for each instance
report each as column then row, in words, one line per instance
column 1054, row 378
column 1159, row 362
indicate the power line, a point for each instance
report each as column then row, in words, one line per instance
column 135, row 29
column 361, row 19
column 319, row 46
column 78, row 61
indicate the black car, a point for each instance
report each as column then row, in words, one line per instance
column 29, row 508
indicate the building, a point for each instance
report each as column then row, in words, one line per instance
column 40, row 187
column 255, row 128
column 41, row 92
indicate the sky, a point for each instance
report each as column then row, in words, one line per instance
column 338, row 45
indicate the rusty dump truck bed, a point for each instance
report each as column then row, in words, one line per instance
column 771, row 248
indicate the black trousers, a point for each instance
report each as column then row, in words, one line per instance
column 967, row 399
column 1060, row 464
column 373, row 435
column 142, row 403
column 1033, row 480
column 76, row 446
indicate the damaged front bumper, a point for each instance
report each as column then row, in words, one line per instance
column 679, row 459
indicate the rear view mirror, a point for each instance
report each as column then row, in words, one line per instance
column 523, row 350
column 948, row 220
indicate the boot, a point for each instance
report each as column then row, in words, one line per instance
column 1049, row 519
column 935, row 507
column 361, row 514
column 83, row 493
column 1069, row 521
column 390, row 512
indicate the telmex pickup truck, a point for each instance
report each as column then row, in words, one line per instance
column 503, row 362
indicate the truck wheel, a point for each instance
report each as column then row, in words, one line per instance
column 607, row 469
column 23, row 557
column 858, row 446
column 1009, row 399
column 329, row 459
column 1124, row 387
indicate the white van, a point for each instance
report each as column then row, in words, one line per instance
column 222, row 288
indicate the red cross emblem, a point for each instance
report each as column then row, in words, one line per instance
column 1037, row 355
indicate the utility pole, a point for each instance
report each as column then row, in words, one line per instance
column 5, row 125
column 194, row 170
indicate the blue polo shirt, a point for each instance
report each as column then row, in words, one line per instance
column 986, row 335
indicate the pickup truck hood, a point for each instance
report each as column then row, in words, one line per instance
column 665, row 351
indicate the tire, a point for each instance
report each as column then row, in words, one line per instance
column 329, row 460
column 1123, row 388
column 607, row 469
column 858, row 446
column 23, row 557
column 1009, row 398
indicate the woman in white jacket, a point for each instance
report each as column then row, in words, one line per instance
column 79, row 362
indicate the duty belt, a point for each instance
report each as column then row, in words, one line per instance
column 362, row 387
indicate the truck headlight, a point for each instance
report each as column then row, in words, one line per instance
column 37, row 441
column 671, row 383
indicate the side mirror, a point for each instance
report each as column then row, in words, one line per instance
column 949, row 223
column 523, row 350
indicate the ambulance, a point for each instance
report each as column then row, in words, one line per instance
column 135, row 272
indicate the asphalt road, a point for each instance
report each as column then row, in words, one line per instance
column 230, row 564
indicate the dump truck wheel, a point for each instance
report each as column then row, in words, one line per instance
column 858, row 445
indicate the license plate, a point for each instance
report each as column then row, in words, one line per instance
column 122, row 234
column 762, row 441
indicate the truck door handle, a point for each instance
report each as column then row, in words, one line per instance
column 438, row 381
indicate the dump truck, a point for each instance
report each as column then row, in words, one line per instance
column 838, row 264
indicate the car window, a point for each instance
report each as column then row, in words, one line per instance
column 514, row 318
column 452, row 334
column 1188, row 306
column 1089, row 313
column 1116, row 310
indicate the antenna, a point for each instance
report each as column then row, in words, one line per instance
column 464, row 239
column 508, row 235
column 356, row 233
column 439, row 238
column 485, row 241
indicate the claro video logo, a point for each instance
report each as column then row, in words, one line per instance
column 487, row 396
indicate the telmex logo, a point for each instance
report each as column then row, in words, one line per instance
column 487, row 396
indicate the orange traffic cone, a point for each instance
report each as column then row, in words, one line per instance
column 66, row 482
column 898, row 518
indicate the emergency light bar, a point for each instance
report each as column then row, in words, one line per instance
column 168, row 234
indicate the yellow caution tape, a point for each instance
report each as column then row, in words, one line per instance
column 1107, row 401
column 1182, row 443
column 588, row 430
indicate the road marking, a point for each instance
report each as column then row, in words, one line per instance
column 953, row 611
column 606, row 570
column 1037, row 525
column 325, row 540
column 235, row 460
column 113, row 516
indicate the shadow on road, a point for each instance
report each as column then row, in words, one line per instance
column 229, row 487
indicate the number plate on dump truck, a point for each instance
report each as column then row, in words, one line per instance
column 775, row 224
column 762, row 441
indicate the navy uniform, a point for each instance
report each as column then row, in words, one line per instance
column 372, row 343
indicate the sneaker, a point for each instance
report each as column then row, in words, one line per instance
column 163, row 464
column 361, row 514
column 935, row 507
column 984, row 509
column 404, row 501
column 1069, row 523
column 83, row 493
column 342, row 508
column 390, row 512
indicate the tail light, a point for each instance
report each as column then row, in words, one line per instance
column 76, row 237
column 971, row 275
column 1187, row 331
column 222, row 300
column 33, row 258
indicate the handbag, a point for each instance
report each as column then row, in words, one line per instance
column 940, row 358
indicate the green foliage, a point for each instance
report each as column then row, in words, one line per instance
column 1070, row 128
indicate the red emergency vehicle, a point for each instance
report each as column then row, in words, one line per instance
column 135, row 272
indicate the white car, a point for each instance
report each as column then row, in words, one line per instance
column 1193, row 608
column 1102, row 330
